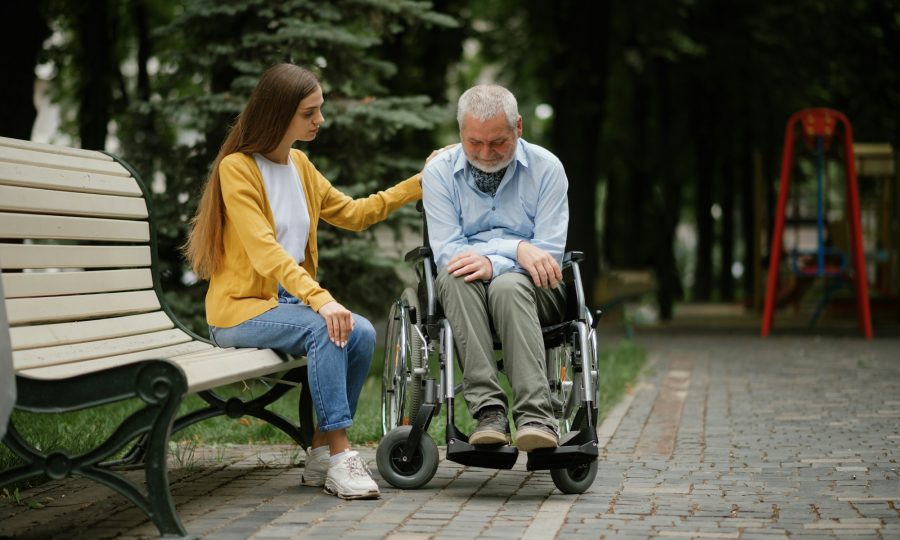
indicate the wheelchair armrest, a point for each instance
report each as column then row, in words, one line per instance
column 417, row 254
column 572, row 256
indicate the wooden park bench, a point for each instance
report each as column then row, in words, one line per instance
column 88, row 325
column 617, row 288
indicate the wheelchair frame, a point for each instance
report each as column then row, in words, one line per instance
column 407, row 456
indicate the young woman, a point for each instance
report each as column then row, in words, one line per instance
column 254, row 239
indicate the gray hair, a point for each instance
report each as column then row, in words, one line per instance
column 486, row 101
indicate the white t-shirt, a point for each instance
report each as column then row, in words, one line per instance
column 288, row 202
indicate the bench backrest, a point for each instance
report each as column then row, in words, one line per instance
column 77, row 253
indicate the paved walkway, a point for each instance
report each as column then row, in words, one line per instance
column 724, row 437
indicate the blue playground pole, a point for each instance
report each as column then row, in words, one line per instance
column 820, row 204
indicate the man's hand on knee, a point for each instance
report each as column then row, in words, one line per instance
column 471, row 266
column 541, row 265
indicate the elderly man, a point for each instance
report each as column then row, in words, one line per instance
column 497, row 220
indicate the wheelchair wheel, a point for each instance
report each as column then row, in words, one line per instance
column 401, row 387
column 592, row 364
column 574, row 480
column 406, row 473
column 563, row 385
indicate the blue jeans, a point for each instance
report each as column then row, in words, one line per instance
column 336, row 375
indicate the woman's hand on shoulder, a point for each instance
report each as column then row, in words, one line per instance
column 339, row 321
column 438, row 151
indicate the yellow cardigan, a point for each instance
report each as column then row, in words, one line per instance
column 246, row 284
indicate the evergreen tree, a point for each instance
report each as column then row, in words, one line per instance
column 205, row 81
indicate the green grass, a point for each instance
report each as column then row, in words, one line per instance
column 80, row 431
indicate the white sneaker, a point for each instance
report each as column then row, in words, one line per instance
column 316, row 467
column 349, row 478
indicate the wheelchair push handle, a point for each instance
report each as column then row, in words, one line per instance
column 597, row 315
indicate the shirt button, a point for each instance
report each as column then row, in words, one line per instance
column 493, row 208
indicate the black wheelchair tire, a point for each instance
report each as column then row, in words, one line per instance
column 411, row 474
column 574, row 480
column 392, row 395
column 414, row 390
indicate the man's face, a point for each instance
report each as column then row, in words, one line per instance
column 490, row 144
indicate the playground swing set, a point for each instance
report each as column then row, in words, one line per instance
column 825, row 134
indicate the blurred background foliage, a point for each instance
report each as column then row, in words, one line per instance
column 659, row 110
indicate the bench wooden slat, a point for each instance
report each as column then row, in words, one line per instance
column 239, row 365
column 46, row 335
column 77, row 352
column 201, row 355
column 27, row 284
column 54, row 149
column 225, row 366
column 62, row 162
column 20, row 256
column 17, row 174
column 48, row 201
column 72, row 228
column 63, row 371
column 79, row 307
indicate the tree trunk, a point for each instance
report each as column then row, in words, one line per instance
column 732, row 175
column 703, row 196
column 578, row 92
column 748, row 232
column 666, row 197
column 93, row 25
column 21, row 39
column 143, row 147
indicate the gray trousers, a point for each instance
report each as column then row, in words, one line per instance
column 518, row 309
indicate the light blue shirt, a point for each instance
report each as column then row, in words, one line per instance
column 530, row 204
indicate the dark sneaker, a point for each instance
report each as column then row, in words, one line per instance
column 533, row 436
column 493, row 427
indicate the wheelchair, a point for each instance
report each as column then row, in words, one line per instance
column 413, row 393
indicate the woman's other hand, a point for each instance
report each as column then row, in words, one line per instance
column 438, row 151
column 339, row 321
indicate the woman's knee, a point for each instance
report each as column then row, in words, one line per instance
column 363, row 331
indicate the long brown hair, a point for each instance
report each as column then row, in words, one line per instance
column 259, row 128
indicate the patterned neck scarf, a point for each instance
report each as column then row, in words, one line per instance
column 487, row 182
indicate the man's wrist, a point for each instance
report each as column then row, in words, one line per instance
column 490, row 267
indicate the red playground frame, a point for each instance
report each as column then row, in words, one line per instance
column 818, row 127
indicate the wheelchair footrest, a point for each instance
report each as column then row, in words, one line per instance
column 562, row 457
column 489, row 457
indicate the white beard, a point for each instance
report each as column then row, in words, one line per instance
column 477, row 163
column 490, row 169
